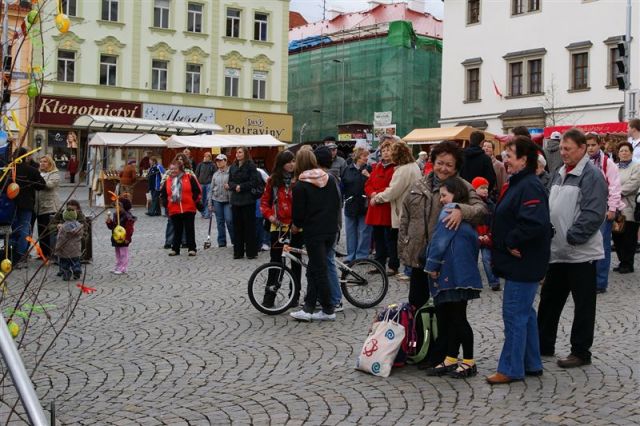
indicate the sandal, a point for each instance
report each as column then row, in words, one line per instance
column 464, row 370
column 441, row 369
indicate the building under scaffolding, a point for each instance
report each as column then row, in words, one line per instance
column 346, row 76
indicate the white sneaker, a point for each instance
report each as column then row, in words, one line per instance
column 265, row 247
column 321, row 316
column 339, row 307
column 116, row 272
column 302, row 315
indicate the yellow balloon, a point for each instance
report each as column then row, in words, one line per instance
column 62, row 22
column 14, row 329
column 119, row 234
column 5, row 266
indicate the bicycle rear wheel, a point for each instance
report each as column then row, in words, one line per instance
column 365, row 283
column 272, row 288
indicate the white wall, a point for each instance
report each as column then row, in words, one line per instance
column 556, row 25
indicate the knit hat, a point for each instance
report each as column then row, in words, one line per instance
column 69, row 214
column 478, row 182
column 323, row 156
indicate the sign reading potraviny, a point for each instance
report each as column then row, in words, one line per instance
column 383, row 118
column 256, row 123
column 178, row 113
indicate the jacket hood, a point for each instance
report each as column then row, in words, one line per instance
column 317, row 177
column 553, row 145
column 473, row 151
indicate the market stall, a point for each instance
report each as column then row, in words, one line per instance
column 107, row 151
column 460, row 134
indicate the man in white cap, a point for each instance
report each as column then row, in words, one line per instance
column 552, row 152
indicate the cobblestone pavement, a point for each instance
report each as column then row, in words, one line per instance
column 177, row 342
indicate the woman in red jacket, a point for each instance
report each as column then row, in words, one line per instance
column 181, row 193
column 275, row 205
column 379, row 215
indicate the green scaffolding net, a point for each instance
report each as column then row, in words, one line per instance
column 350, row 80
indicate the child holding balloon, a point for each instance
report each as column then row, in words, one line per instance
column 121, row 225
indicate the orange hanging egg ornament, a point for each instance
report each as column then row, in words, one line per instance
column 62, row 22
column 13, row 189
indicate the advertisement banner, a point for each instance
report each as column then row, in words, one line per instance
column 382, row 118
column 178, row 113
column 383, row 130
column 233, row 122
column 58, row 111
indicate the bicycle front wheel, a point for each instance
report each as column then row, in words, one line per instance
column 272, row 288
column 365, row 283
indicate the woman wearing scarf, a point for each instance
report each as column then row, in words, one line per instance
column 180, row 194
column 630, row 184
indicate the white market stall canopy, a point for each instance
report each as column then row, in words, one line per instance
column 223, row 141
column 108, row 123
column 130, row 140
column 438, row 134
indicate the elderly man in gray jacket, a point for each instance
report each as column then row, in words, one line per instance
column 578, row 204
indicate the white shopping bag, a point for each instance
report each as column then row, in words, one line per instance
column 381, row 347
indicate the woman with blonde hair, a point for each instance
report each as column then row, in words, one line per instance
column 47, row 202
column 405, row 174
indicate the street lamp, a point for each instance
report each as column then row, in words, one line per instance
column 339, row 61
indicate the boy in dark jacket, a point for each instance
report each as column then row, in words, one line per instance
column 69, row 245
column 481, row 185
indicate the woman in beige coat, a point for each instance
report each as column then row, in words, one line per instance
column 47, row 203
column 405, row 174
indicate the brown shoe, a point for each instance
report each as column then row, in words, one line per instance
column 573, row 361
column 499, row 379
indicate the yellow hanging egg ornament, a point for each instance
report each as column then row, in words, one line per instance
column 119, row 234
column 5, row 266
column 14, row 329
column 62, row 22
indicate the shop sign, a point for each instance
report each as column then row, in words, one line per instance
column 345, row 137
column 379, row 131
column 255, row 123
column 59, row 111
column 382, row 118
column 178, row 113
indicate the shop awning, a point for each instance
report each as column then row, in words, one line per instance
column 223, row 141
column 616, row 127
column 130, row 140
column 438, row 134
column 163, row 127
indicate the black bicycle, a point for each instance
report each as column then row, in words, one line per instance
column 273, row 288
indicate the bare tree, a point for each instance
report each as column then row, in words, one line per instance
column 556, row 113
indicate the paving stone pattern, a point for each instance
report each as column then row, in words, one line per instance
column 177, row 342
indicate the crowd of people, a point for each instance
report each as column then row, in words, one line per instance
column 530, row 216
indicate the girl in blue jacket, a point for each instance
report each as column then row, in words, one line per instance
column 451, row 263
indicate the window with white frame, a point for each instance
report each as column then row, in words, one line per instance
column 159, row 74
column 525, row 72
column 194, row 17
column 260, row 26
column 69, row 7
column 231, row 81
column 161, row 13
column 473, row 11
column 108, row 70
column 259, row 85
column 473, row 84
column 66, row 65
column 233, row 23
column 110, row 10
column 193, row 78
column 520, row 7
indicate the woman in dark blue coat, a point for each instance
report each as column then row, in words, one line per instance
column 521, row 250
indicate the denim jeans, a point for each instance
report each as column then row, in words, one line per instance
column 386, row 240
column 21, row 228
column 223, row 216
column 205, row 193
column 335, row 292
column 602, row 265
column 493, row 281
column 521, row 348
column 69, row 266
column 358, row 238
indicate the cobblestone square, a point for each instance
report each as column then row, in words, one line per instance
column 176, row 341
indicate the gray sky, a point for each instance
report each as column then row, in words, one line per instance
column 312, row 9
